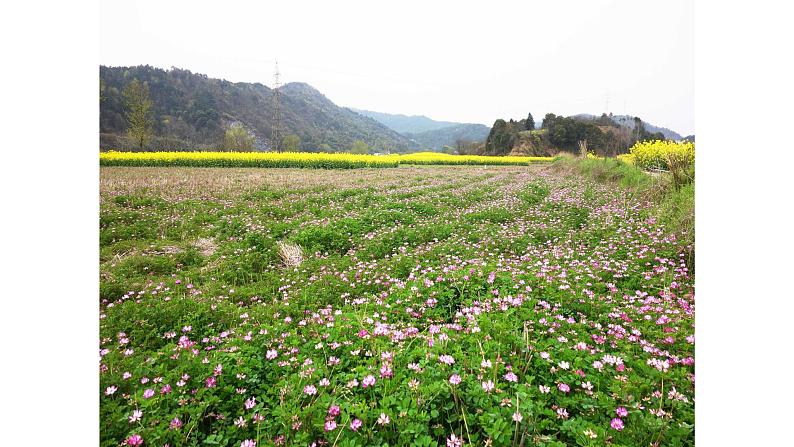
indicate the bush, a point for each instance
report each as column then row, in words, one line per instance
column 665, row 155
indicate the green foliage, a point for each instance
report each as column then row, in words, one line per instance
column 610, row 170
column 534, row 193
column 138, row 111
column 203, row 114
column 558, row 133
column 502, row 137
column 639, row 133
column 188, row 110
column 675, row 198
column 327, row 239
column 292, row 143
column 525, row 278
column 677, row 213
column 567, row 132
column 495, row 215
column 238, row 139
column 359, row 147
column 529, row 124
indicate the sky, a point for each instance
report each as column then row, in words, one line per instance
column 451, row 61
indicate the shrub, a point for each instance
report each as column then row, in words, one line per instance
column 662, row 154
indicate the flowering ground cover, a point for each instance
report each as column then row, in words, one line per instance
column 456, row 305
column 303, row 159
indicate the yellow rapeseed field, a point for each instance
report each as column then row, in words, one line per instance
column 300, row 159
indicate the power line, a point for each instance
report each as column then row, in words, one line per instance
column 276, row 133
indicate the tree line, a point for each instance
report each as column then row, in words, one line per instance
column 601, row 135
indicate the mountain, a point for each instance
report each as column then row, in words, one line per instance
column 450, row 135
column 191, row 111
column 628, row 121
column 427, row 133
column 405, row 123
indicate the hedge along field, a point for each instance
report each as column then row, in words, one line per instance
column 300, row 159
column 451, row 306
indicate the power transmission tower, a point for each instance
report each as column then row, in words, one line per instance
column 275, row 136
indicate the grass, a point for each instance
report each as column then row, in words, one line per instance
column 227, row 293
column 609, row 170
column 674, row 192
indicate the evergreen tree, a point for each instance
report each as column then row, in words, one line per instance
column 547, row 120
column 529, row 124
column 501, row 138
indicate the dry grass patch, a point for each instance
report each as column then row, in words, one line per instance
column 291, row 254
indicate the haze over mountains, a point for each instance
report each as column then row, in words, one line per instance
column 428, row 133
column 405, row 123
column 191, row 111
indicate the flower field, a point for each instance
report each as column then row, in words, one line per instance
column 424, row 306
column 662, row 154
column 300, row 159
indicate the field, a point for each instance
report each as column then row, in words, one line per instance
column 302, row 159
column 418, row 305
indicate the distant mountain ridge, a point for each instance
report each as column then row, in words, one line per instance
column 427, row 133
column 191, row 110
column 628, row 121
column 450, row 136
column 405, row 123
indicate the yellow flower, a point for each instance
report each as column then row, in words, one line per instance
column 659, row 154
column 300, row 159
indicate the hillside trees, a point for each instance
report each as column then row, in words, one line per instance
column 189, row 112
column 529, row 124
column 547, row 120
column 465, row 146
column 605, row 120
column 641, row 134
column 501, row 138
column 203, row 113
column 602, row 135
column 237, row 138
column 359, row 147
column 138, row 112
column 566, row 133
column 291, row 143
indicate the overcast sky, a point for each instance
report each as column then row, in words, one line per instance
column 451, row 61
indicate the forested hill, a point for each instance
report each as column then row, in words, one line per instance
column 191, row 111
column 628, row 121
